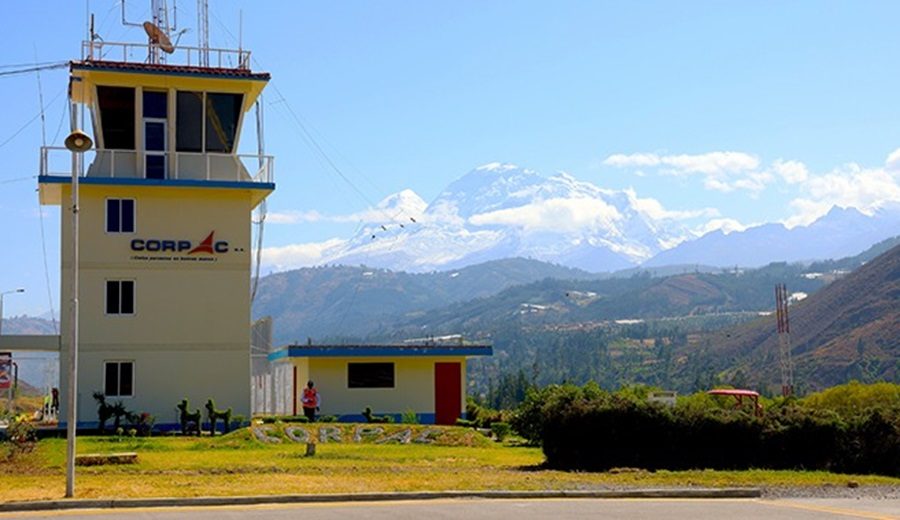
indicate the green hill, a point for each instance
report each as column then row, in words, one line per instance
column 848, row 330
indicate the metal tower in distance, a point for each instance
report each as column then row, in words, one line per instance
column 784, row 340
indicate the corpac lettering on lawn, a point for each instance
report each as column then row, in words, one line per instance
column 362, row 433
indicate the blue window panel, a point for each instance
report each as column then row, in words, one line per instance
column 112, row 297
column 127, row 294
column 156, row 166
column 127, row 216
column 113, row 224
column 155, row 136
column 155, row 104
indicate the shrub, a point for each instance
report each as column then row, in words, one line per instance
column 409, row 417
column 500, row 430
column 589, row 430
column 21, row 436
column 854, row 398
column 529, row 419
column 142, row 424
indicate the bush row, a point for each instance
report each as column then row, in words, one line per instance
column 588, row 429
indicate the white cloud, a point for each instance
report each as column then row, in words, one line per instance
column 398, row 207
column 792, row 172
column 723, row 171
column 712, row 163
column 893, row 160
column 293, row 217
column 726, row 225
column 655, row 210
column 620, row 160
column 557, row 214
column 295, row 256
column 850, row 186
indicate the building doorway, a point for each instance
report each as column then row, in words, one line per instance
column 447, row 392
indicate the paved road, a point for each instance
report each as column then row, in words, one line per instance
column 537, row 509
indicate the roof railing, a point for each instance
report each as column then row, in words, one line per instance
column 141, row 53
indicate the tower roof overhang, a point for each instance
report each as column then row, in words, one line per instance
column 86, row 74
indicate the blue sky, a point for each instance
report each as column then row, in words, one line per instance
column 758, row 111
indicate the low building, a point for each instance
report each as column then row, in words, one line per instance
column 428, row 379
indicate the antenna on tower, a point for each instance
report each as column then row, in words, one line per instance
column 158, row 29
column 784, row 340
column 203, row 31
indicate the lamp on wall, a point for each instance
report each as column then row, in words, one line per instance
column 78, row 142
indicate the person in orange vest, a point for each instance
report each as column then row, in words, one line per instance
column 310, row 401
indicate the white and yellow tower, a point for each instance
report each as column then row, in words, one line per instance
column 165, row 226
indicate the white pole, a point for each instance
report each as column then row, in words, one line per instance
column 73, row 344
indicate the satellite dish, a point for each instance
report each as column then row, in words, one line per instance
column 78, row 141
column 159, row 37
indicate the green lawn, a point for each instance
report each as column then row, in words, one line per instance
column 238, row 464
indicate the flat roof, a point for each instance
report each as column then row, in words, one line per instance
column 383, row 350
column 171, row 70
column 727, row 391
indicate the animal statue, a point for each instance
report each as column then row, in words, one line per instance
column 367, row 413
column 104, row 410
column 215, row 415
column 190, row 422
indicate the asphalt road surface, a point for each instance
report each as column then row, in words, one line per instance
column 537, row 509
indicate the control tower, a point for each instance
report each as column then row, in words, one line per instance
column 164, row 233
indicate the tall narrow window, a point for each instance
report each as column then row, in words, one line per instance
column 223, row 111
column 120, row 215
column 119, row 297
column 155, row 145
column 118, row 378
column 117, row 117
column 189, row 122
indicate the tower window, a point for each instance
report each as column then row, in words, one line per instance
column 118, row 378
column 119, row 297
column 117, row 117
column 189, row 122
column 223, row 111
column 120, row 215
column 155, row 105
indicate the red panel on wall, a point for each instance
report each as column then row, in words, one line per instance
column 447, row 392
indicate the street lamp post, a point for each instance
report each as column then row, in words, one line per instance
column 2, row 294
column 9, row 395
column 77, row 142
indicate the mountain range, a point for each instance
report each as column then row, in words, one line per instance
column 499, row 211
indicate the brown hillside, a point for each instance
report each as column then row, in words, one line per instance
column 847, row 330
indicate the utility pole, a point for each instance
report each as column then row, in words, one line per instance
column 784, row 340
column 2, row 294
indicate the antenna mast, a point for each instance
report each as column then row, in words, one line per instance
column 784, row 340
column 203, row 31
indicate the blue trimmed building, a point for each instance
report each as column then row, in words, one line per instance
column 428, row 379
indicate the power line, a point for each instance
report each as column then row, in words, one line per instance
column 27, row 70
column 310, row 140
column 32, row 64
column 32, row 120
column 18, row 179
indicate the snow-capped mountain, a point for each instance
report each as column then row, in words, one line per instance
column 502, row 211
column 840, row 233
